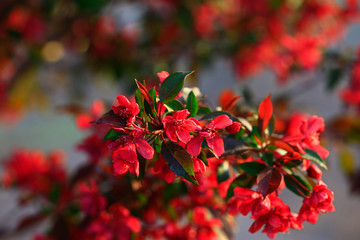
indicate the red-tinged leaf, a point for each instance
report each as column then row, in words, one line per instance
column 298, row 185
column 145, row 93
column 269, row 180
column 283, row 145
column 265, row 112
column 28, row 221
column 111, row 119
column 230, row 104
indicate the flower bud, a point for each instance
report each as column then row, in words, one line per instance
column 314, row 171
column 233, row 128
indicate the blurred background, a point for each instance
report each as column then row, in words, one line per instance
column 57, row 57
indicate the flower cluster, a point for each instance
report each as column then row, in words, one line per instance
column 163, row 165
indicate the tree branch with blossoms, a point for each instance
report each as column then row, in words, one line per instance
column 162, row 164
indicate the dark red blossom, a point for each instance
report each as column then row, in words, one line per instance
column 320, row 201
column 117, row 223
column 304, row 133
column 91, row 201
column 203, row 226
column 126, row 109
column 246, row 200
column 278, row 219
column 209, row 132
column 124, row 152
column 34, row 171
column 178, row 127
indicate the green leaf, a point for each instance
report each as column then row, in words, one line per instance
column 202, row 156
column 334, row 77
column 171, row 86
column 192, row 104
column 297, row 185
column 313, row 156
column 252, row 168
column 271, row 126
column 267, row 157
column 174, row 105
column 143, row 166
column 179, row 161
column 244, row 180
column 204, row 111
column 112, row 135
column 222, row 172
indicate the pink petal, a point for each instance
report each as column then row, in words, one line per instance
column 162, row 75
column 183, row 134
column 190, row 124
column 134, row 168
column 120, row 167
column 126, row 153
column 216, row 144
column 123, row 101
column 257, row 224
column 199, row 165
column 182, row 114
column 171, row 133
column 194, row 146
column 221, row 122
column 144, row 148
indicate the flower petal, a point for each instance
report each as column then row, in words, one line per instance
column 194, row 146
column 182, row 114
column 144, row 148
column 216, row 144
column 183, row 134
column 221, row 122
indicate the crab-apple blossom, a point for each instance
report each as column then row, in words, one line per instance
column 209, row 132
column 125, row 109
column 178, row 126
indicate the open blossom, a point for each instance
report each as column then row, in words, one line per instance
column 304, row 133
column 91, row 201
column 246, row 200
column 34, row 171
column 178, row 127
column 320, row 201
column 203, row 226
column 213, row 140
column 124, row 152
column 278, row 219
column 117, row 223
column 126, row 109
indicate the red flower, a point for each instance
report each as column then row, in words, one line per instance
column 178, row 127
column 213, row 140
column 126, row 109
column 203, row 227
column 124, row 155
column 162, row 75
column 278, row 219
column 34, row 171
column 320, row 201
column 117, row 223
column 162, row 170
column 304, row 133
column 91, row 201
column 233, row 128
column 246, row 200
column 314, row 171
